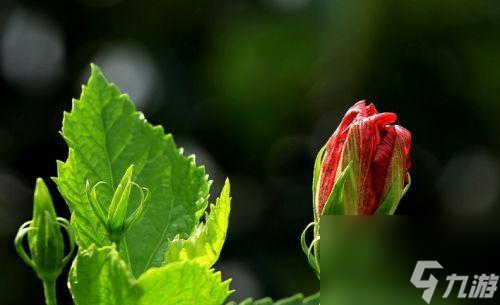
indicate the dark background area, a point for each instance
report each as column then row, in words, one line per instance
column 254, row 89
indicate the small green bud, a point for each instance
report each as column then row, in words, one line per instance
column 117, row 212
column 45, row 239
column 116, row 222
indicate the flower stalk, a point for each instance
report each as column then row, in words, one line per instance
column 49, row 289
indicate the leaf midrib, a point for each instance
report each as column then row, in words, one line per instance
column 150, row 259
column 108, row 157
column 138, row 171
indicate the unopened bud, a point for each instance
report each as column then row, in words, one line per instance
column 116, row 221
column 363, row 168
column 45, row 239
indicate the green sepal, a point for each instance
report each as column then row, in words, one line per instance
column 391, row 200
column 312, row 251
column 94, row 202
column 407, row 187
column 335, row 204
column 316, row 174
column 136, row 215
column 18, row 243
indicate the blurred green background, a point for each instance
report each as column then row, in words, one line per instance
column 370, row 260
column 254, row 89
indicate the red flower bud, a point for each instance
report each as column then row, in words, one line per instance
column 363, row 168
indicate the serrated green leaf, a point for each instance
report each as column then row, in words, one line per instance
column 106, row 135
column 182, row 283
column 206, row 242
column 297, row 299
column 101, row 277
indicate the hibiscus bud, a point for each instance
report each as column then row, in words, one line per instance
column 117, row 212
column 45, row 239
column 116, row 221
column 363, row 168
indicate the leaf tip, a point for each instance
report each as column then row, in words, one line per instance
column 95, row 69
column 227, row 184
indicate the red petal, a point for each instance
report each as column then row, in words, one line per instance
column 381, row 163
column 333, row 151
column 405, row 136
column 371, row 130
column 371, row 110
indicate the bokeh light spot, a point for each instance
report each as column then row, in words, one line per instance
column 131, row 67
column 32, row 51
column 469, row 183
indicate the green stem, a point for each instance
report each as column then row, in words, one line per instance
column 317, row 247
column 49, row 287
